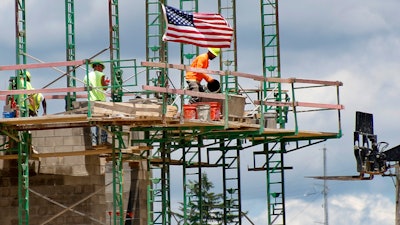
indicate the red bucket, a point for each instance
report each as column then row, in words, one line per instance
column 189, row 111
column 215, row 110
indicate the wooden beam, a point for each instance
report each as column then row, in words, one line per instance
column 302, row 104
column 240, row 74
column 182, row 67
column 45, row 90
column 183, row 92
column 62, row 154
column 101, row 150
column 3, row 97
column 43, row 65
column 44, row 119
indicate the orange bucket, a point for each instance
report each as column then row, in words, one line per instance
column 189, row 111
column 215, row 110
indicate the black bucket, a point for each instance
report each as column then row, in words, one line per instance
column 213, row 86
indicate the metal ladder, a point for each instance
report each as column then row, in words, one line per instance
column 156, row 49
column 274, row 155
column 229, row 161
column 70, row 49
column 228, row 57
column 116, row 77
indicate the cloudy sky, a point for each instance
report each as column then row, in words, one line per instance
column 353, row 41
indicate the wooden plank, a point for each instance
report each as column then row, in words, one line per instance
column 8, row 157
column 61, row 154
column 182, row 67
column 99, row 150
column 302, row 104
column 183, row 92
column 319, row 105
column 77, row 153
column 45, row 90
column 241, row 74
column 80, row 96
column 43, row 65
column 44, row 119
column 136, row 149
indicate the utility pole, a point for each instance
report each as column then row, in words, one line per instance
column 397, row 217
column 325, row 190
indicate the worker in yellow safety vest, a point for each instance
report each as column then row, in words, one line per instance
column 97, row 81
column 36, row 99
column 34, row 104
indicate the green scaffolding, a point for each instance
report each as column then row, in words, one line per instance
column 200, row 148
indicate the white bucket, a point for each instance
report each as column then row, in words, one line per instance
column 203, row 112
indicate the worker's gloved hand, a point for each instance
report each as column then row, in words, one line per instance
column 107, row 81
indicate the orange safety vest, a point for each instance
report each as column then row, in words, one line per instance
column 200, row 61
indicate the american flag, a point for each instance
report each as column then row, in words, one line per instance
column 200, row 29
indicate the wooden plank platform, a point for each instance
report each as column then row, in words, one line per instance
column 62, row 121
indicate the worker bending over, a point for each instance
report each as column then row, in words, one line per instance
column 35, row 100
column 194, row 79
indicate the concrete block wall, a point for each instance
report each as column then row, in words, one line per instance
column 69, row 180
column 66, row 140
column 64, row 190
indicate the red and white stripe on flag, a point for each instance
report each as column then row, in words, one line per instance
column 200, row 29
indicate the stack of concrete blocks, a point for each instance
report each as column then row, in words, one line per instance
column 236, row 104
column 134, row 108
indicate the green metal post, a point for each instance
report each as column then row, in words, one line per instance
column 115, row 65
column 118, row 144
column 228, row 58
column 271, row 54
column 70, row 51
column 231, row 180
column 23, row 178
column 188, row 52
column 23, row 148
column 156, row 48
column 20, row 38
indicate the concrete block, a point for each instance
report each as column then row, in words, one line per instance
column 38, row 141
column 47, row 169
column 74, row 161
column 236, row 104
column 44, row 149
column 78, row 170
column 77, row 131
column 73, row 140
column 43, row 133
column 53, row 141
column 63, row 132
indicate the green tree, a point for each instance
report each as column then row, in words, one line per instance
column 204, row 206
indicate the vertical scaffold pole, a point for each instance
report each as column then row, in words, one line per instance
column 116, row 72
column 228, row 57
column 70, row 51
column 156, row 48
column 271, row 68
column 23, row 149
column 188, row 52
column 20, row 38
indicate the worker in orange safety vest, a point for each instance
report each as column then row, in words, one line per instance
column 193, row 79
